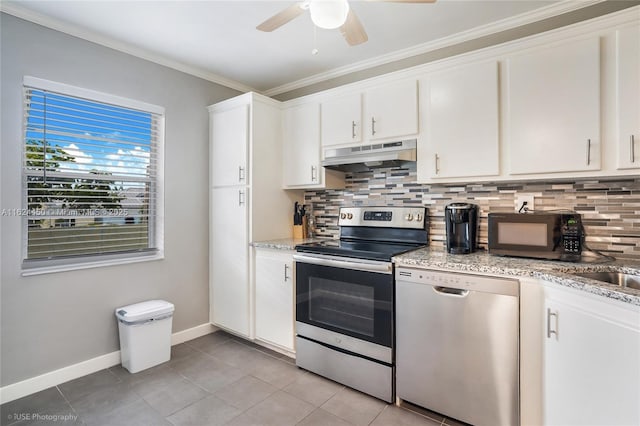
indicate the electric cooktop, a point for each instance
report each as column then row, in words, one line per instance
column 371, row 250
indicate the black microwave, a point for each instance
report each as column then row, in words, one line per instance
column 541, row 235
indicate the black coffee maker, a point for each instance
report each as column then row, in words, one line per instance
column 462, row 227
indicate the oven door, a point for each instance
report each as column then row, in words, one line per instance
column 346, row 303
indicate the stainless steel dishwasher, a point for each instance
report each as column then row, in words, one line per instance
column 457, row 338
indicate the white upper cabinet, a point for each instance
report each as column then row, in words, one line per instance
column 301, row 125
column 342, row 120
column 230, row 130
column 391, row 110
column 553, row 109
column 461, row 134
column 628, row 95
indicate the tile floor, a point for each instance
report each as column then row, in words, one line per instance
column 217, row 379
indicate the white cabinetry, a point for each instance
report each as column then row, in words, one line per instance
column 275, row 297
column 302, row 145
column 553, row 108
column 591, row 360
column 461, row 135
column 229, row 158
column 245, row 204
column 302, row 154
column 391, row 110
column 342, row 120
column 229, row 265
column 628, row 95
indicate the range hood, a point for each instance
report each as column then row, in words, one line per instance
column 365, row 157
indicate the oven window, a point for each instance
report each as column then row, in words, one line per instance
column 342, row 305
column 355, row 303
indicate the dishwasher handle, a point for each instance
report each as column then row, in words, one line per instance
column 451, row 292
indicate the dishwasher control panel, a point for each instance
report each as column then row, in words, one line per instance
column 462, row 281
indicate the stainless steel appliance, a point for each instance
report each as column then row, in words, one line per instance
column 462, row 227
column 345, row 297
column 543, row 235
column 457, row 345
column 364, row 157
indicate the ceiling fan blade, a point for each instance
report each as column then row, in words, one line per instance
column 279, row 19
column 352, row 30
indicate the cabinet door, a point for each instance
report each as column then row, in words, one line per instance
column 342, row 120
column 392, row 110
column 591, row 368
column 274, row 298
column 462, row 123
column 229, row 141
column 553, row 109
column 628, row 94
column 229, row 265
column 302, row 145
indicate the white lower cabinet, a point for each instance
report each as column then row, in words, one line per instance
column 591, row 360
column 229, row 265
column 274, row 279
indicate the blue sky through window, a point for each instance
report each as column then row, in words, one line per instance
column 106, row 138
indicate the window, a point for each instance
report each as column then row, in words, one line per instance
column 91, row 183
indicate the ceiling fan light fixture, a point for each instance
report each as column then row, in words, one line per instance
column 329, row 14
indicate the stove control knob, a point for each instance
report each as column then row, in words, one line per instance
column 343, row 215
column 349, row 216
column 418, row 217
column 409, row 217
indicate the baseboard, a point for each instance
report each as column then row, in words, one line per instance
column 192, row 333
column 53, row 378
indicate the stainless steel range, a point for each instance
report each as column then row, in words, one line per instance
column 345, row 297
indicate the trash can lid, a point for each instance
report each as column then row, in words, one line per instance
column 144, row 310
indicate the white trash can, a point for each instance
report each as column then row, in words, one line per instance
column 145, row 334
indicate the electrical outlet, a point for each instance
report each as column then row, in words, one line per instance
column 521, row 199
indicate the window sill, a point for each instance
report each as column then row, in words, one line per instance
column 89, row 265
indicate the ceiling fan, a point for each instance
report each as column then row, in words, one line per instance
column 328, row 14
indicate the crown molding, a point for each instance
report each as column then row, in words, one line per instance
column 552, row 10
column 18, row 11
column 474, row 33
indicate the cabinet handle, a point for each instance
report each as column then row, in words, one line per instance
column 588, row 152
column 286, row 269
column 240, row 173
column 632, row 149
column 313, row 173
column 353, row 130
column 437, row 157
column 240, row 197
column 549, row 330
column 373, row 126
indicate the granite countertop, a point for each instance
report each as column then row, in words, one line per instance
column 482, row 262
column 283, row 244
column 552, row 271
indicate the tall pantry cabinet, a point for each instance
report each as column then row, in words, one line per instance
column 246, row 202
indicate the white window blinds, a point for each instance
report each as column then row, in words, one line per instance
column 90, row 178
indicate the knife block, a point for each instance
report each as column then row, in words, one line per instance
column 300, row 231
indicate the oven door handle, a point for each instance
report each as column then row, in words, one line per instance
column 354, row 264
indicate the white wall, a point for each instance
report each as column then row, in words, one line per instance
column 54, row 320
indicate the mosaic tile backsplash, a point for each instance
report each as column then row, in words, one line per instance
column 610, row 208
